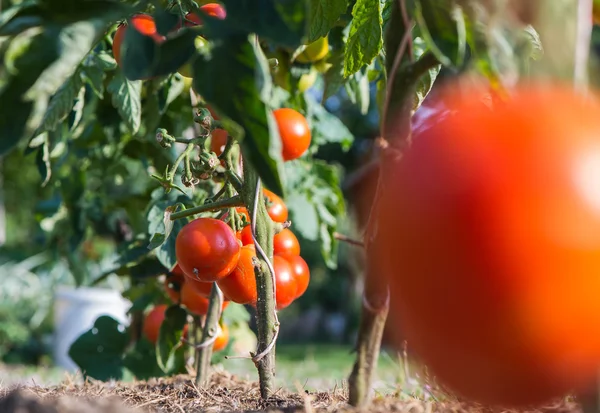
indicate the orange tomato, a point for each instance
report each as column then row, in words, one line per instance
column 285, row 282
column 246, row 235
column 294, row 132
column 276, row 208
column 286, row 242
column 222, row 338
column 240, row 285
column 212, row 9
column 488, row 230
column 300, row 270
column 207, row 249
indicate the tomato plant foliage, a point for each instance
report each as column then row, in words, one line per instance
column 106, row 137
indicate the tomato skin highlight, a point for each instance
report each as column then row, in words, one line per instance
column 207, row 249
column 212, row 9
column 286, row 242
column 240, row 285
column 285, row 283
column 276, row 208
column 294, row 132
column 489, row 234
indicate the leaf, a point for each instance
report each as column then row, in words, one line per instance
column 141, row 361
column 169, row 338
column 282, row 22
column 365, row 39
column 60, row 104
column 77, row 112
column 103, row 60
column 39, row 63
column 142, row 58
column 94, row 76
column 98, row 352
column 425, row 83
column 442, row 25
column 326, row 127
column 42, row 160
column 334, row 77
column 164, row 231
column 323, row 14
column 315, row 199
column 239, row 89
column 359, row 92
column 127, row 99
column 537, row 49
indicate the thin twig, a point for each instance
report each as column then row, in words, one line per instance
column 582, row 47
column 345, row 238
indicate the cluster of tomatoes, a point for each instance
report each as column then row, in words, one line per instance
column 208, row 251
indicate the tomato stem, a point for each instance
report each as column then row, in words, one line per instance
column 209, row 335
column 268, row 324
column 234, row 201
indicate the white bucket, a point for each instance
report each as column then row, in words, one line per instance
column 75, row 312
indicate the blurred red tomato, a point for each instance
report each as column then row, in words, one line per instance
column 488, row 230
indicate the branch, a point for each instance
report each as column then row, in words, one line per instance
column 232, row 202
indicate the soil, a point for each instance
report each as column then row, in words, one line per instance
column 225, row 393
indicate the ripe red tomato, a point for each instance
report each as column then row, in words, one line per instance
column 240, row 285
column 246, row 235
column 173, row 284
column 286, row 242
column 285, row 283
column 207, row 249
column 294, row 132
column 212, row 9
column 153, row 321
column 300, row 270
column 222, row 338
column 218, row 141
column 489, row 233
column 144, row 24
column 194, row 302
column 276, row 207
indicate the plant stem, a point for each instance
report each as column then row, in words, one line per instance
column 209, row 334
column 268, row 325
column 234, row 201
column 403, row 75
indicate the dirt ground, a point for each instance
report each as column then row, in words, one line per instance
column 225, row 393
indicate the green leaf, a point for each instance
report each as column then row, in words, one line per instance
column 239, row 89
column 77, row 112
column 94, row 76
column 42, row 160
column 103, row 60
column 425, row 83
column 282, row 22
column 442, row 25
column 141, row 361
column 142, row 58
column 334, row 77
column 61, row 104
column 326, row 127
column 365, row 39
column 315, row 199
column 127, row 99
column 98, row 352
column 164, row 231
column 39, row 63
column 359, row 92
column 323, row 15
column 169, row 338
